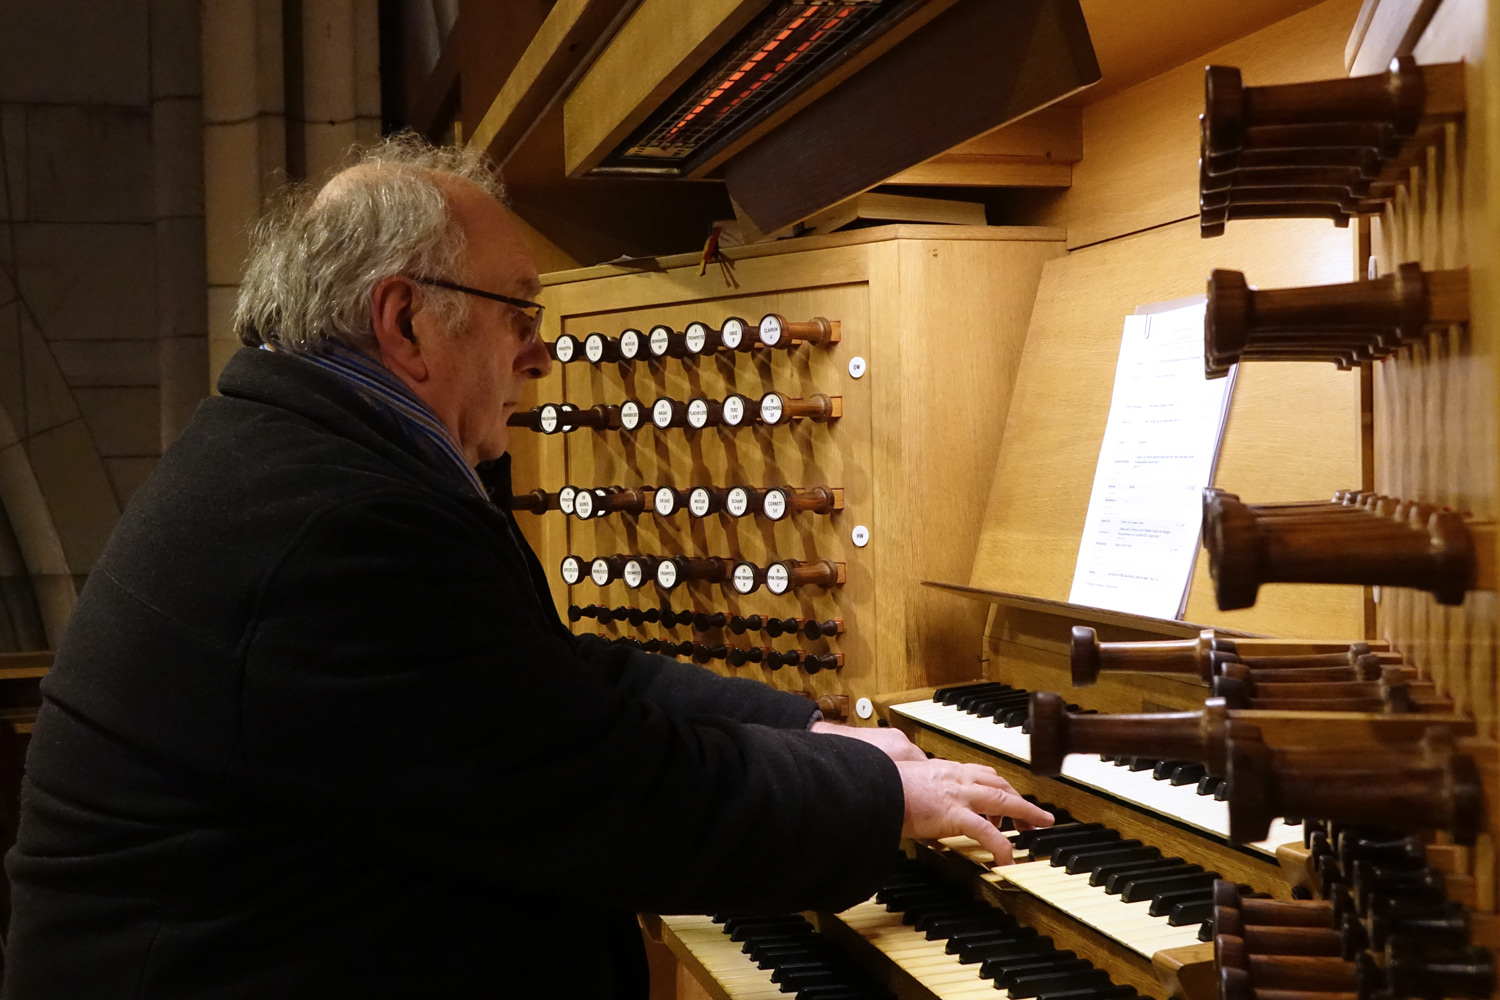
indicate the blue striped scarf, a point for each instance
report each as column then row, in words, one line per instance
column 376, row 383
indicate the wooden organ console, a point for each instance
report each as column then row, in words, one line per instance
column 1299, row 802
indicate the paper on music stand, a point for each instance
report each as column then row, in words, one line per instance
column 1161, row 443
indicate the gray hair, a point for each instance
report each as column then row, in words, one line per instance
column 319, row 250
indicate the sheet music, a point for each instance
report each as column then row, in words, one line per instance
column 1166, row 421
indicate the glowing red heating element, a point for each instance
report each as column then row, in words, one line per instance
column 750, row 64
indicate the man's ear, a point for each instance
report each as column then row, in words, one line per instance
column 393, row 310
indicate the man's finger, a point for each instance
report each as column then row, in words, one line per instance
column 977, row 827
column 1001, row 802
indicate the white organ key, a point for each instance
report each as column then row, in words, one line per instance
column 722, row 958
column 1181, row 803
column 925, row 961
column 1128, row 923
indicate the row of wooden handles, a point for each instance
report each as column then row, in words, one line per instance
column 1331, row 149
column 1357, row 538
column 741, row 576
column 775, row 502
column 774, row 409
column 1422, row 784
column 704, row 621
column 1207, row 656
column 698, row 339
column 737, row 656
column 1345, row 325
column 1402, row 940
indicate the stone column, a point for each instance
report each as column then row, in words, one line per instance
column 244, row 145
column 177, row 148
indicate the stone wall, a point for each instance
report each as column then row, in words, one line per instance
column 102, row 320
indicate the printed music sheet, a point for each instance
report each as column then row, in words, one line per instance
column 1161, row 443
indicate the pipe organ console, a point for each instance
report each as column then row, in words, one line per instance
column 1299, row 803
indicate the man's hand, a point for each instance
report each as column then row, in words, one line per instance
column 945, row 798
column 893, row 741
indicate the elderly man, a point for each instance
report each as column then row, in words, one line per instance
column 315, row 730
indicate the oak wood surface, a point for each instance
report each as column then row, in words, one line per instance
column 1035, row 514
column 1141, row 162
column 938, row 323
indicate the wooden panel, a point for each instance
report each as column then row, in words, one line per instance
column 964, row 170
column 877, row 206
column 564, row 41
column 1052, row 134
column 1436, row 403
column 1271, row 451
column 1392, row 30
column 939, row 324
column 1135, row 41
column 1141, row 166
column 975, row 68
column 662, row 44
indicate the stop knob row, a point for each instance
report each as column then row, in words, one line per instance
column 772, row 410
column 698, row 339
column 775, row 503
column 742, row 577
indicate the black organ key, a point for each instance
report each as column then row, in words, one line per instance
column 950, row 695
column 1042, row 847
column 1100, row 875
column 1163, row 903
column 1110, row 992
column 1076, row 979
column 1064, row 857
column 1007, row 952
column 967, row 944
column 1148, row 887
column 1003, row 970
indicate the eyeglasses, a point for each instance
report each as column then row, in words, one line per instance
column 531, row 310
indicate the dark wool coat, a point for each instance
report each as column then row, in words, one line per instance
column 315, row 731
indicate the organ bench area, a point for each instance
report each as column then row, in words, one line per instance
column 1298, row 803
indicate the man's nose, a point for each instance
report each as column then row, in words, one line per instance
column 535, row 361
